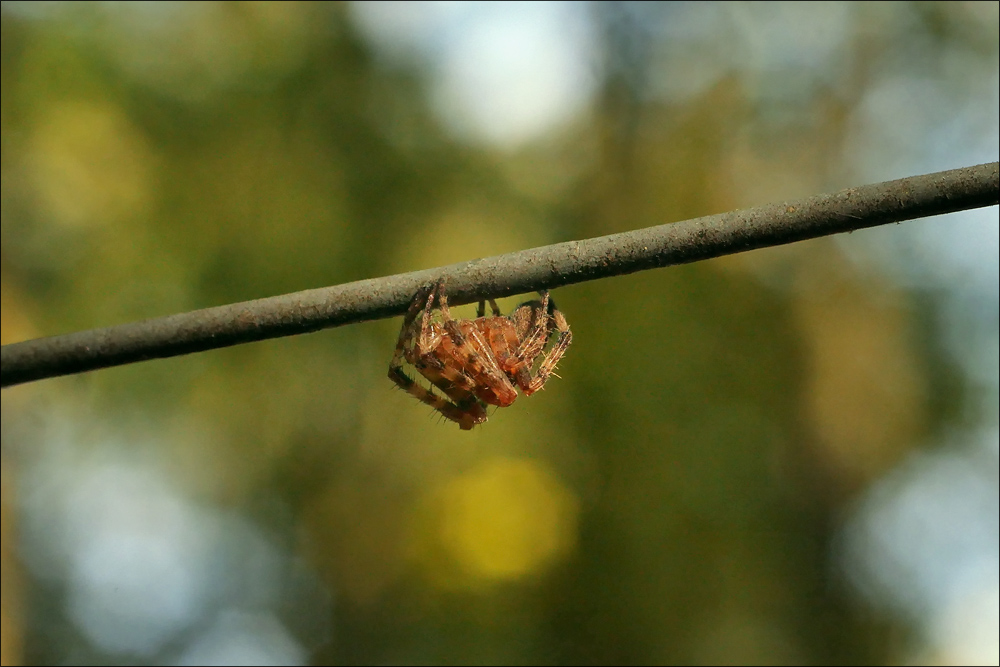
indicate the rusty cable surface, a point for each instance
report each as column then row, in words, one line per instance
column 525, row 271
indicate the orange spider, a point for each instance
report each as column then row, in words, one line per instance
column 477, row 362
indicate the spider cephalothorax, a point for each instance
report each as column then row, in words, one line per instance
column 477, row 362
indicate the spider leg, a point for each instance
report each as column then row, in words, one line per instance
column 427, row 341
column 409, row 385
column 480, row 371
column 481, row 309
column 452, row 327
column 466, row 411
column 536, row 337
column 406, row 331
column 454, row 330
column 525, row 340
column 443, row 301
column 548, row 366
column 463, row 408
column 456, row 384
column 406, row 334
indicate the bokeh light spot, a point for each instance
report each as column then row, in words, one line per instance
column 89, row 165
column 507, row 518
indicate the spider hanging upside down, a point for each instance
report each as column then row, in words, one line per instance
column 477, row 362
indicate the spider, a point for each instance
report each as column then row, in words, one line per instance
column 477, row 362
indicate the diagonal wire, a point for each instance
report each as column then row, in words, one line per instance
column 503, row 275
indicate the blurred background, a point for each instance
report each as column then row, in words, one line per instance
column 785, row 456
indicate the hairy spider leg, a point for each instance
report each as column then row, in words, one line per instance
column 537, row 318
column 548, row 365
column 528, row 317
column 501, row 338
column 456, row 386
column 477, row 358
column 466, row 410
column 426, row 330
column 526, row 331
column 438, row 344
column 406, row 332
